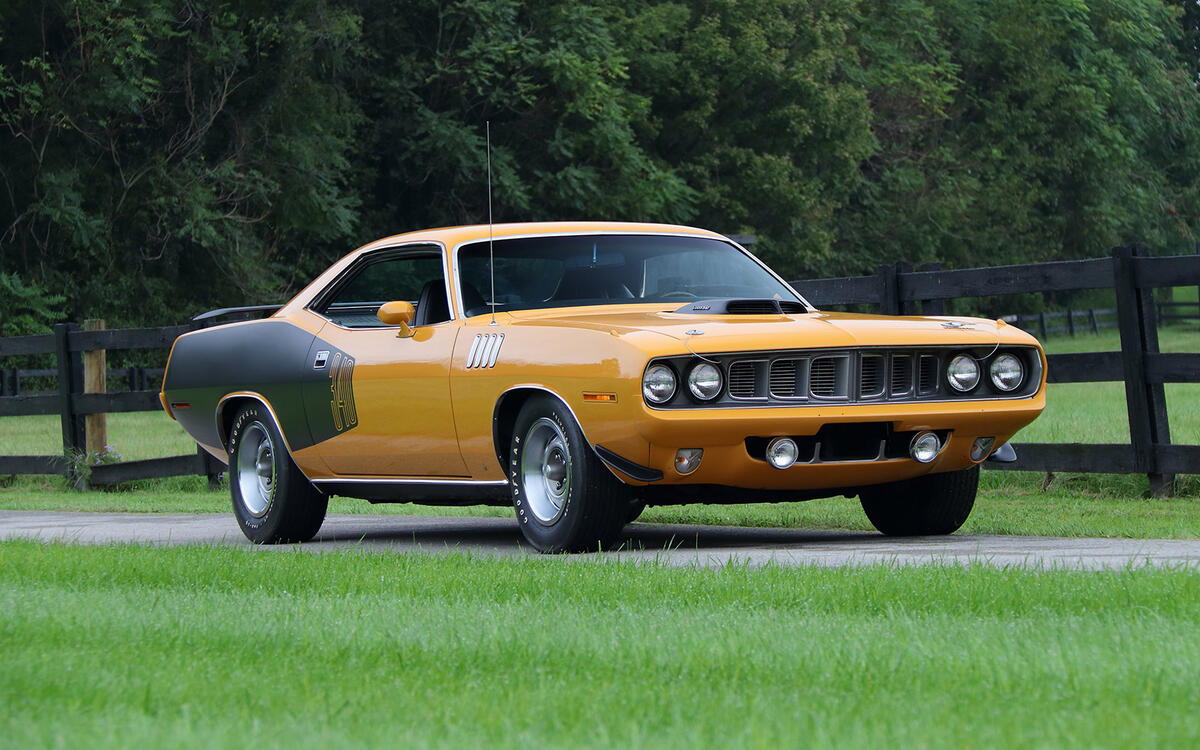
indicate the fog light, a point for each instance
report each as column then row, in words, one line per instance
column 687, row 459
column 981, row 448
column 782, row 452
column 925, row 447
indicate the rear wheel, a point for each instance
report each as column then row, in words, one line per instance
column 565, row 498
column 272, row 500
column 928, row 505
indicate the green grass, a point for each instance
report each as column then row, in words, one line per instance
column 135, row 436
column 1096, row 412
column 220, row 647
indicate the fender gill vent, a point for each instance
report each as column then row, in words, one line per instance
column 484, row 350
column 741, row 380
column 783, row 378
column 871, row 381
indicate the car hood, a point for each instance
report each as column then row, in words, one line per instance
column 722, row 333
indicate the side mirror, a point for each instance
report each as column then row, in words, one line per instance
column 398, row 313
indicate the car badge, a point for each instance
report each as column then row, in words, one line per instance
column 701, row 307
column 694, row 332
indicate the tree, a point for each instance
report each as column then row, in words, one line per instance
column 751, row 104
column 552, row 81
column 1012, row 132
column 160, row 158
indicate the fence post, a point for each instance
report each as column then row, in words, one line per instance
column 70, row 376
column 932, row 306
column 1042, row 325
column 906, row 306
column 1071, row 322
column 1146, row 402
column 1092, row 320
column 95, row 380
column 889, row 289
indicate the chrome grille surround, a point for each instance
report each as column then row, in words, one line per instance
column 811, row 377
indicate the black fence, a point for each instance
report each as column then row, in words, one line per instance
column 1069, row 322
column 897, row 289
column 67, row 344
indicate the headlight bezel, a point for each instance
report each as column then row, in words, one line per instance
column 696, row 391
column 674, row 378
column 1020, row 369
column 966, row 358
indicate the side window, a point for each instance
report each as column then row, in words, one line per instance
column 416, row 278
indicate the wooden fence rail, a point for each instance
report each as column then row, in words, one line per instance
column 895, row 289
column 69, row 402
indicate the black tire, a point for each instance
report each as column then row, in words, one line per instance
column 566, row 500
column 272, row 500
column 928, row 505
column 635, row 511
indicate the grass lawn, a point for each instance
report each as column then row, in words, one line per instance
column 220, row 647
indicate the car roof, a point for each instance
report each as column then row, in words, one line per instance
column 452, row 236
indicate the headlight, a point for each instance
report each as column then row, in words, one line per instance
column 704, row 381
column 963, row 373
column 658, row 384
column 1007, row 372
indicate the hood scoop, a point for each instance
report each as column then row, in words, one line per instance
column 742, row 307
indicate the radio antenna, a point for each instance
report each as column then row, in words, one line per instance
column 491, row 252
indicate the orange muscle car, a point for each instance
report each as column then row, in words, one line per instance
column 582, row 371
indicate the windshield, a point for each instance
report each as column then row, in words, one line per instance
column 610, row 269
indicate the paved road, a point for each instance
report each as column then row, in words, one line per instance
column 668, row 544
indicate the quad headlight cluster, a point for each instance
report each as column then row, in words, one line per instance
column 704, row 382
column 1006, row 371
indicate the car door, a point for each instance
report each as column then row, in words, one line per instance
column 386, row 397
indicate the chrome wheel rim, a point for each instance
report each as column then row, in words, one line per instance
column 546, row 470
column 256, row 469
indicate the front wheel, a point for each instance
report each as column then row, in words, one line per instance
column 566, row 500
column 928, row 505
column 272, row 499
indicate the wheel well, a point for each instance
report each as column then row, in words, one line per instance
column 504, row 418
column 225, row 414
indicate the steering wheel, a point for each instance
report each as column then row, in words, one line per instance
column 678, row 293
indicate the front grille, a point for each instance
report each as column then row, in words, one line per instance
column 929, row 375
column 823, row 378
column 902, row 374
column 810, row 377
column 870, row 382
column 742, row 379
column 783, row 378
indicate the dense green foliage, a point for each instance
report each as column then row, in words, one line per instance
column 160, row 158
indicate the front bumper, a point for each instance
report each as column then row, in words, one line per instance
column 722, row 434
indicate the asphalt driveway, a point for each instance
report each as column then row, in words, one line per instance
column 675, row 545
